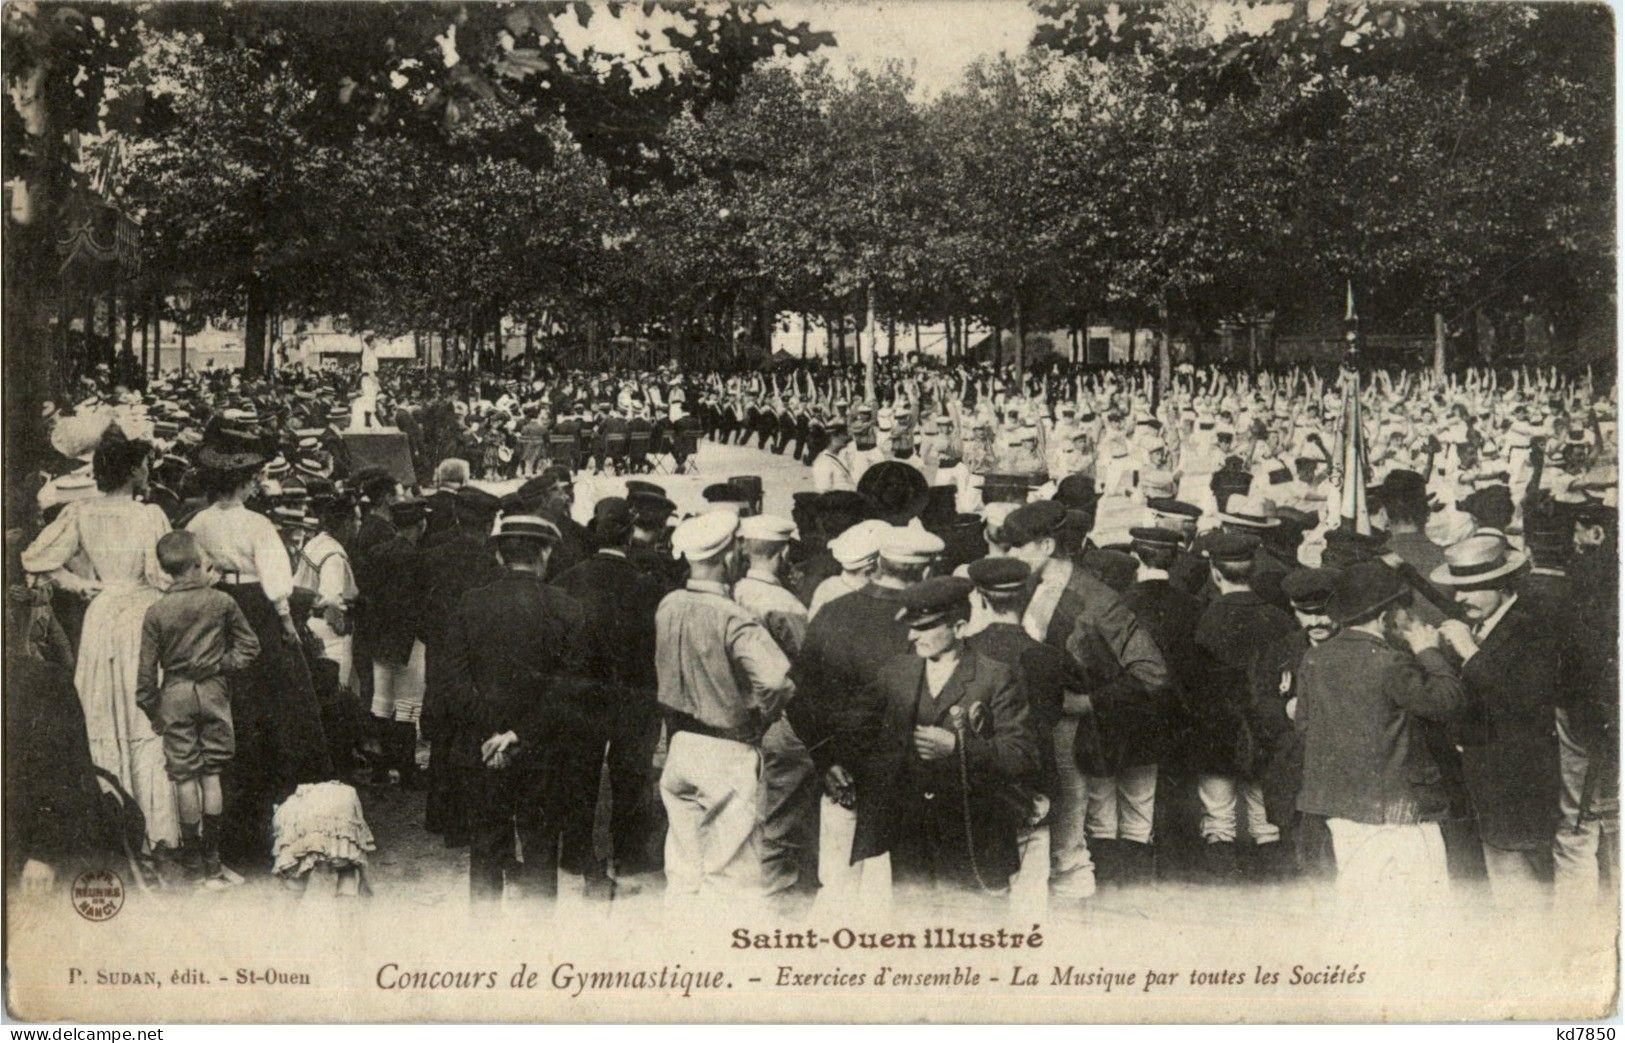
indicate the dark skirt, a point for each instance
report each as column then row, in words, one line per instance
column 277, row 722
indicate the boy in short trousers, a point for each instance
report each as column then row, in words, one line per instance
column 195, row 635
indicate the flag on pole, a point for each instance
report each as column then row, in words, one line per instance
column 1356, row 517
column 1354, row 513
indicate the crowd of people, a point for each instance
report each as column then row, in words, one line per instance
column 1022, row 638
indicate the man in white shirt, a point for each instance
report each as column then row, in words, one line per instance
column 832, row 469
column 789, row 783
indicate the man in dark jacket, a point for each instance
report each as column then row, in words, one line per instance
column 460, row 562
column 846, row 645
column 1123, row 789
column 1235, row 627
column 1512, row 671
column 390, row 579
column 1587, row 719
column 1279, row 750
column 1050, row 679
column 515, row 683
column 1121, row 665
column 450, row 475
column 949, row 717
column 620, row 603
column 1365, row 767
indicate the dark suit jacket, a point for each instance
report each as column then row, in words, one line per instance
column 574, row 546
column 1001, row 756
column 390, row 579
column 461, row 562
column 1170, row 614
column 1279, row 749
column 1232, row 630
column 620, row 603
column 516, row 648
column 1364, row 759
column 1122, row 668
column 442, row 506
column 1508, row 731
column 1046, row 674
column 847, row 644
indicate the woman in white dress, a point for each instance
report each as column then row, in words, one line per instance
column 117, row 536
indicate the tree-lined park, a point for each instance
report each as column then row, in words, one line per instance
column 452, row 170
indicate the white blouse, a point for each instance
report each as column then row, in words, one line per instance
column 111, row 540
column 244, row 542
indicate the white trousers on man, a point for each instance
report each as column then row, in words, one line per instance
column 712, row 790
column 1384, row 864
column 1121, row 805
column 1220, row 795
column 1576, row 846
column 1072, row 869
column 397, row 688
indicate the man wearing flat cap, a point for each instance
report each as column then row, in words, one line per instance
column 1073, row 611
column 1279, row 756
column 1048, row 676
column 723, row 681
column 619, row 603
column 848, row 642
column 950, row 767
column 1233, row 628
column 517, row 692
column 1366, row 770
column 1123, row 787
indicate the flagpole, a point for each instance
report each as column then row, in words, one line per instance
column 1353, row 510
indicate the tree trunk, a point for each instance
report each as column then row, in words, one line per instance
column 1165, row 364
column 803, row 336
column 157, row 334
column 998, row 346
column 891, row 337
column 254, row 338
column 129, row 337
column 918, row 351
column 871, row 332
column 1439, row 356
column 1021, row 345
column 145, row 358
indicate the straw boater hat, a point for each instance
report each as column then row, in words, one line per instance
column 1476, row 561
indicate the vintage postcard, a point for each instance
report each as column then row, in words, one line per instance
column 913, row 511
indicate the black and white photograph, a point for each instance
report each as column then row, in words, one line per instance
column 920, row 511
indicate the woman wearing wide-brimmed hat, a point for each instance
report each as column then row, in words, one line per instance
column 104, row 549
column 1511, row 663
column 277, row 721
